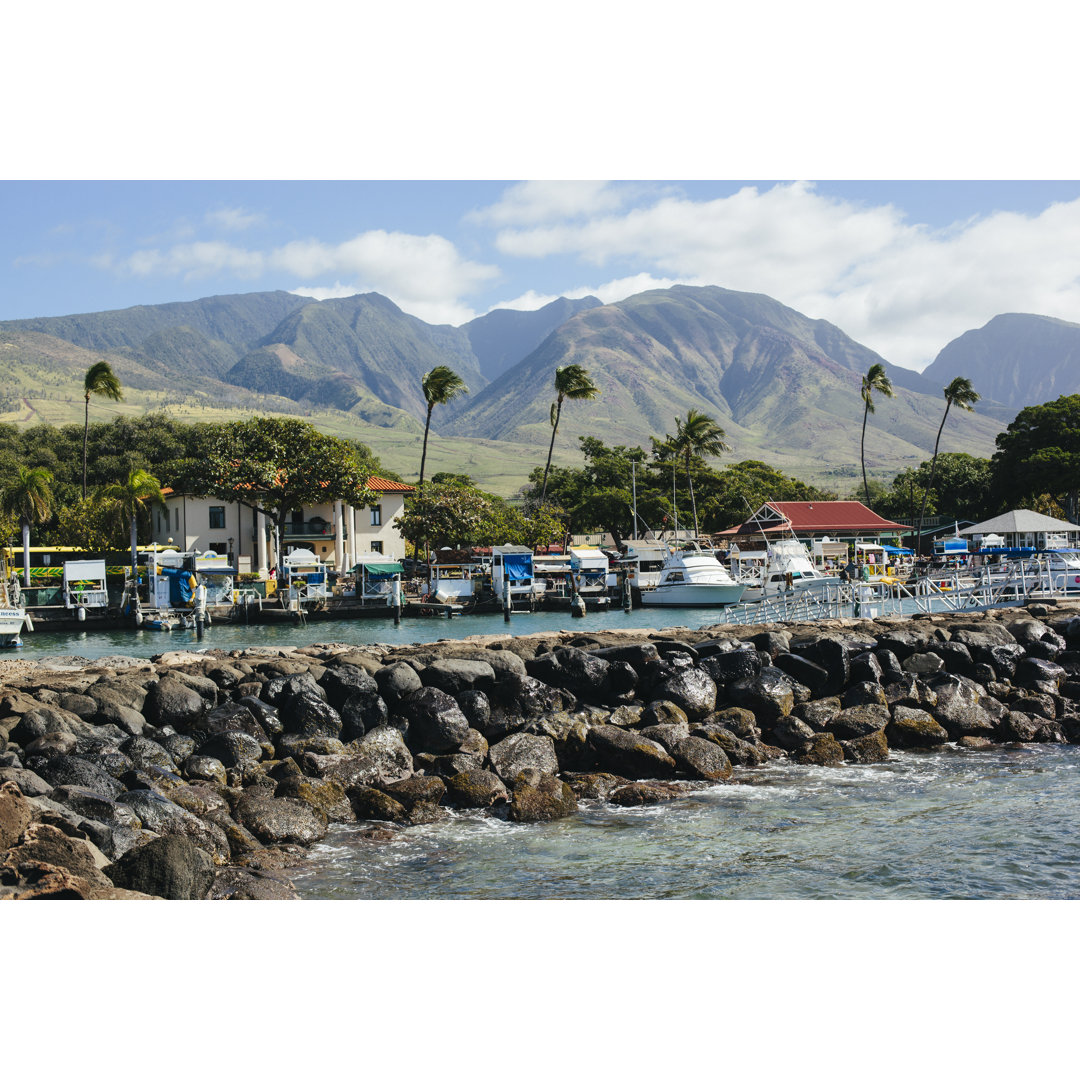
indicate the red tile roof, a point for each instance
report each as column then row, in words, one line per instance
column 822, row 517
column 377, row 483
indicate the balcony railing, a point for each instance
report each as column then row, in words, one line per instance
column 310, row 530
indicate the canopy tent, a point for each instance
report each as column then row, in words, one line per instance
column 378, row 569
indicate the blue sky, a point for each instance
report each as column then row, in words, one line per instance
column 901, row 266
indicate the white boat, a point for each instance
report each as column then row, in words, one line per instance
column 693, row 577
column 13, row 615
column 643, row 562
column 787, row 570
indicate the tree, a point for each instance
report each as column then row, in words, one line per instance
column 29, row 500
column 1039, row 454
column 572, row 383
column 961, row 393
column 132, row 498
column 874, row 379
column 699, row 436
column 440, row 385
column 276, row 465
column 101, row 382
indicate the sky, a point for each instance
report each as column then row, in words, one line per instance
column 902, row 267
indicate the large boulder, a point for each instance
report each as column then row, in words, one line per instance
column 732, row 666
column 584, row 674
column 161, row 815
column 520, row 751
column 396, row 682
column 65, row 769
column 326, row 796
column 914, row 729
column 769, row 697
column 168, row 866
column 362, row 711
column 458, row 676
column 541, row 797
column 380, row 757
column 701, row 759
column 866, row 750
column 307, row 714
column 171, row 702
column 628, row 754
column 16, row 813
column 474, row 789
column 962, row 707
column 692, row 690
column 343, row 681
column 280, row 821
column 436, row 723
column 858, row 721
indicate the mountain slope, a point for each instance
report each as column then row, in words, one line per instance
column 503, row 337
column 785, row 388
column 1015, row 359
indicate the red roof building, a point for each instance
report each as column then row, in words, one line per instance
column 814, row 520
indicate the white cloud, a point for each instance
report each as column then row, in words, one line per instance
column 234, row 218
column 534, row 201
column 898, row 287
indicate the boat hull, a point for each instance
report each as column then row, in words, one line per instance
column 692, row 595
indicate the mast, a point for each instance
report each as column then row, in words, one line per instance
column 633, row 484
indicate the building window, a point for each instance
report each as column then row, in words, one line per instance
column 220, row 549
column 376, row 546
column 217, row 517
column 376, row 515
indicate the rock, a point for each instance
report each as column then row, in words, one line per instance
column 362, row 711
column 627, row 754
column 667, row 735
column 960, row 707
column 396, row 682
column 459, row 676
column 47, row 844
column 914, row 729
column 701, row 759
column 1042, row 675
column 169, row 866
column 416, row 791
column 200, row 767
column 645, row 793
column 568, row 734
column 371, row 804
column 47, row 720
column 818, row 714
column 924, row 663
column 740, row 721
column 539, row 796
column 308, row 715
column 822, row 750
column 858, row 721
column 580, row 672
column 64, row 769
column 802, row 670
column 29, row 783
column 768, row 697
column 326, row 796
column 234, row 883
column 280, row 821
column 692, row 691
column 234, row 749
column 594, row 785
column 163, row 816
column 955, row 655
column 866, row 668
column 523, row 751
column 729, row 667
column 55, row 742
column 867, row 750
column 792, row 733
column 864, row 693
column 89, row 804
column 381, row 756
column 435, row 722
column 474, row 789
column 15, row 814
column 144, row 752
column 341, row 682
column 739, row 751
column 169, row 701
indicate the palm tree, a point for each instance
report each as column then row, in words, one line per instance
column 30, row 500
column 441, row 385
column 959, row 392
column 101, row 382
column 132, row 498
column 874, row 379
column 698, row 436
column 572, row 383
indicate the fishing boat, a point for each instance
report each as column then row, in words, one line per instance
column 692, row 576
column 13, row 615
column 786, row 569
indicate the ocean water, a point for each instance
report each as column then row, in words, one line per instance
column 951, row 824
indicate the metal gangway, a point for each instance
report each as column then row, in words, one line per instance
column 960, row 591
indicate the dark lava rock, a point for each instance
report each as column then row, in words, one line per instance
column 818, row 714
column 47, row 844
column 371, row 804
column 740, row 721
column 659, row 712
column 380, row 757
column 16, row 813
column 280, row 821
column 667, row 735
column 518, row 696
column 362, row 711
column 792, row 733
column 90, row 804
column 474, row 789
column 864, row 693
column 701, row 759
column 962, row 707
column 169, row 701
column 822, row 750
column 64, row 769
column 914, row 729
column 568, row 734
column 911, row 691
column 396, row 682
column 635, row 655
column 144, row 752
column 768, row 697
column 594, row 785
column 265, row 714
column 436, row 723
column 645, row 793
column 1043, row 675
column 539, row 796
column 867, row 750
column 802, row 670
column 729, row 667
column 628, row 754
column 339, row 683
column 522, row 751
column 866, row 667
column 583, row 674
column 858, row 721
column 169, row 866
column 924, row 663
column 692, row 690
column 458, row 676
column 326, row 796
column 237, row 883
column 739, row 751
column 234, row 749
column 306, row 714
column 416, row 789
column 162, row 815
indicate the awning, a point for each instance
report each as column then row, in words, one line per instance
column 517, row 567
column 378, row 569
column 890, row 550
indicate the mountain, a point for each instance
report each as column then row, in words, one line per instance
column 502, row 337
column 785, row 388
column 1017, row 360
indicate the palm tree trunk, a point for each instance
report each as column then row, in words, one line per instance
column 26, row 552
column 551, row 450
column 862, row 454
column 85, row 437
column 693, row 500
column 423, row 456
column 933, row 468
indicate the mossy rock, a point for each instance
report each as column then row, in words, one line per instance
column 821, row 750
column 867, row 750
column 371, row 804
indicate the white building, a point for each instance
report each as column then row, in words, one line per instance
column 1025, row 528
column 336, row 532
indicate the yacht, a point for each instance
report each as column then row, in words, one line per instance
column 13, row 615
column 692, row 576
column 787, row 569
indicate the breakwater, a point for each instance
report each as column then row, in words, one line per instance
column 210, row 774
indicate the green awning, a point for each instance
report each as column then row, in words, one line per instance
column 382, row 568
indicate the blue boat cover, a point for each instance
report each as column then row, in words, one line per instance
column 179, row 584
column 517, row 567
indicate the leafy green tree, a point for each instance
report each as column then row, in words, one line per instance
column 572, row 383
column 961, row 393
column 101, row 382
column 730, row 495
column 697, row 437
column 277, row 466
column 88, row 524
column 874, row 380
column 28, row 499
column 440, row 386
column 1039, row 454
column 132, row 499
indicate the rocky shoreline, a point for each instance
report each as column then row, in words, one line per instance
column 206, row 775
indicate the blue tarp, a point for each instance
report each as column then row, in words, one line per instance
column 179, row 585
column 517, row 567
column 890, row 550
